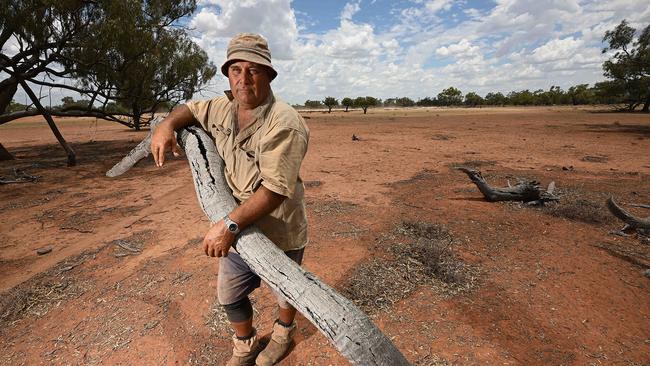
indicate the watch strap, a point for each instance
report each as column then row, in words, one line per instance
column 232, row 226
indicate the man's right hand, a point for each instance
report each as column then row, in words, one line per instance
column 163, row 140
column 163, row 137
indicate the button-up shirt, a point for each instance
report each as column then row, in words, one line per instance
column 268, row 152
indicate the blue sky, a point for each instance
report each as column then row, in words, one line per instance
column 417, row 48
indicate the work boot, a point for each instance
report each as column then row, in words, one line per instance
column 278, row 345
column 244, row 351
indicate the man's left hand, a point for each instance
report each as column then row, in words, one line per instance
column 218, row 240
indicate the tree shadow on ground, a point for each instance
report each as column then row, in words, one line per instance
column 637, row 129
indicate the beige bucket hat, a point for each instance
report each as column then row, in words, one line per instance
column 248, row 47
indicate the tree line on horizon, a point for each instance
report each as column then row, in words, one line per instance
column 580, row 94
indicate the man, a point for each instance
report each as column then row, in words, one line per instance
column 262, row 142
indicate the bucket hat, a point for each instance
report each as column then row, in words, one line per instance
column 249, row 47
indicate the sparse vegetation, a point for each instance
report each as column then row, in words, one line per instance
column 577, row 206
column 425, row 259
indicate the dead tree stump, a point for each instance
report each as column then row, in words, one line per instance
column 346, row 326
column 524, row 190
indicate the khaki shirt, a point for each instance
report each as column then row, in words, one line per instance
column 268, row 152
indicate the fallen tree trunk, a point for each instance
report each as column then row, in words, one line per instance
column 138, row 153
column 345, row 325
column 525, row 191
column 631, row 221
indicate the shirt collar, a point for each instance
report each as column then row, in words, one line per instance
column 260, row 111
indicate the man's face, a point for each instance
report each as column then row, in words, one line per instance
column 249, row 82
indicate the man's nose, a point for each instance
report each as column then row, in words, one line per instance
column 248, row 78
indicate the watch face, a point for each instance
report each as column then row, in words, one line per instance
column 232, row 227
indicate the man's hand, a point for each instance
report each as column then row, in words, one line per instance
column 163, row 140
column 218, row 240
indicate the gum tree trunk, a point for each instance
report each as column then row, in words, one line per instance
column 346, row 326
column 72, row 159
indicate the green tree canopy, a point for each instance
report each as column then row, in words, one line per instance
column 313, row 103
column 450, row 96
column 130, row 53
column 472, row 99
column 365, row 102
column 495, row 98
column 330, row 102
column 580, row 94
column 347, row 103
column 405, row 102
column 629, row 66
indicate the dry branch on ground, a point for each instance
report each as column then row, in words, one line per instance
column 641, row 225
column 524, row 190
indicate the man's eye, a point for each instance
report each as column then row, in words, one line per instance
column 254, row 71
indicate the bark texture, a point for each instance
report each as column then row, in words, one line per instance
column 346, row 326
column 526, row 191
column 631, row 221
column 138, row 153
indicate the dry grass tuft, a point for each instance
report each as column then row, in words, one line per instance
column 331, row 207
column 50, row 289
column 580, row 209
column 432, row 248
column 36, row 297
column 475, row 164
column 425, row 259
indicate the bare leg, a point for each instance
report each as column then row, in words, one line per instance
column 286, row 316
column 243, row 329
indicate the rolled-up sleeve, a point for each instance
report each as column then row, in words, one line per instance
column 281, row 153
column 201, row 111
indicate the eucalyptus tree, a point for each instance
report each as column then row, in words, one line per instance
column 128, row 57
column 629, row 66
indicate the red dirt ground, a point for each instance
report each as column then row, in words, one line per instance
column 126, row 281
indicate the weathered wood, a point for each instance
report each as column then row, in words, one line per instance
column 346, row 326
column 631, row 221
column 19, row 177
column 525, row 190
column 640, row 205
column 138, row 153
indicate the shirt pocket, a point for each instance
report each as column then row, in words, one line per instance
column 220, row 130
column 250, row 154
column 220, row 134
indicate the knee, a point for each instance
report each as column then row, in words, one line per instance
column 239, row 311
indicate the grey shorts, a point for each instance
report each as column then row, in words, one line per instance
column 236, row 280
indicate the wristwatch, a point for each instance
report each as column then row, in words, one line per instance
column 231, row 225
